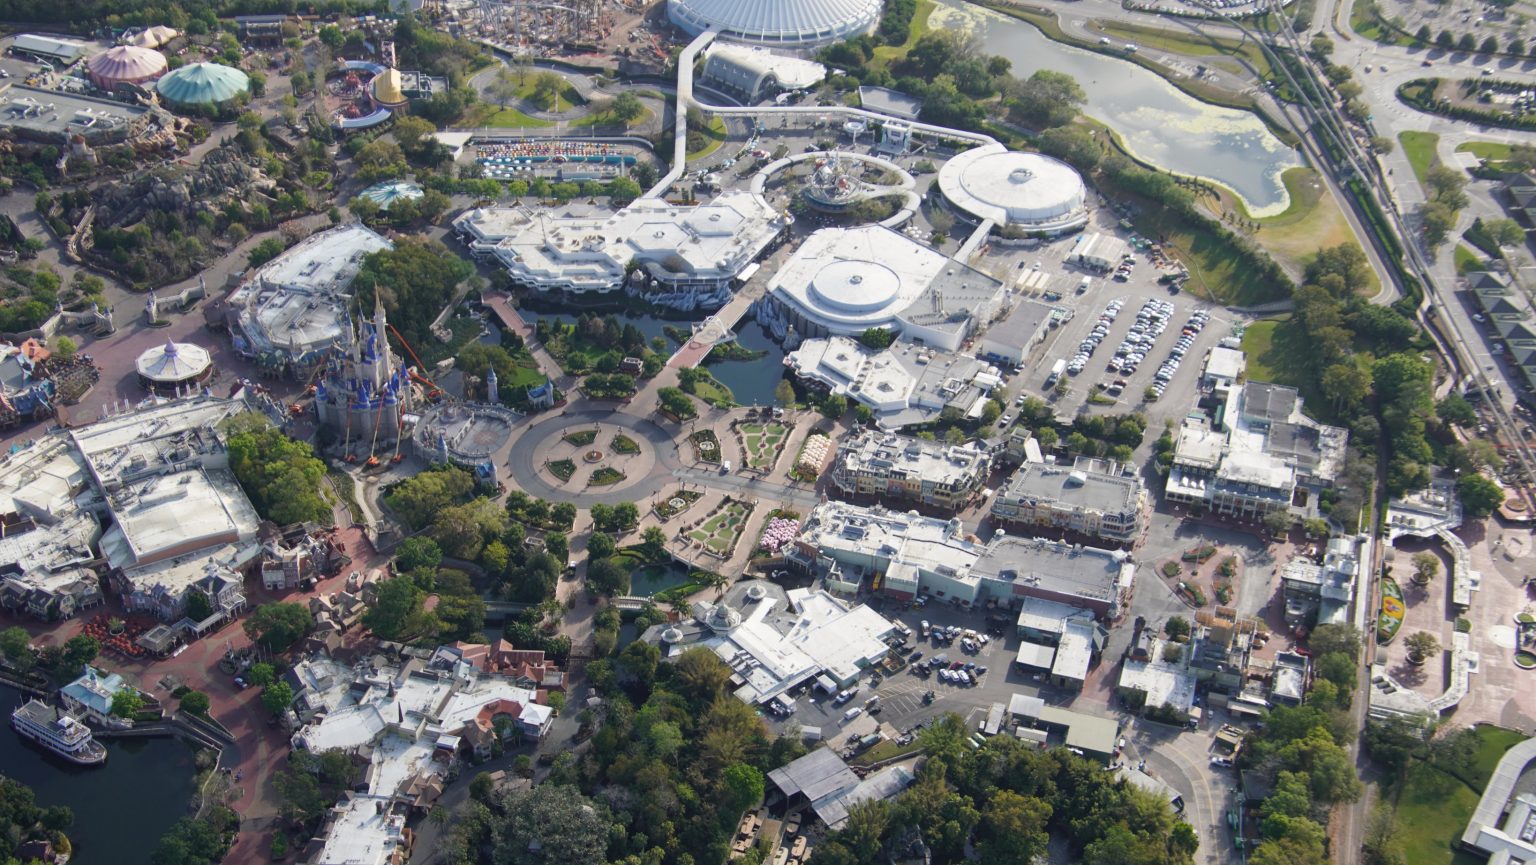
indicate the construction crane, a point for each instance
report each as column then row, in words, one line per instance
column 433, row 391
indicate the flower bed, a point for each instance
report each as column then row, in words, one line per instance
column 1171, row 569
column 562, row 469
column 623, row 444
column 762, row 443
column 706, row 445
column 581, row 438
column 676, row 503
column 1390, row 620
column 1199, row 554
column 720, row 531
column 604, row 477
column 780, row 531
column 1525, row 660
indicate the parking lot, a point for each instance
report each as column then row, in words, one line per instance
column 1056, row 282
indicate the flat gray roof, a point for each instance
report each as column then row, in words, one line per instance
column 817, row 774
column 54, row 112
column 1074, row 487
column 1084, row 572
column 1019, row 328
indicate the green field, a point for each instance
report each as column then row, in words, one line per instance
column 1495, row 151
column 504, row 118
column 884, row 54
column 1433, row 806
column 714, row 136
column 721, row 531
column 763, row 443
column 1313, row 220
column 1214, row 266
column 602, row 119
column 1467, row 260
column 1419, row 148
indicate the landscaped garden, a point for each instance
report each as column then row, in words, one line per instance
column 706, row 445
column 678, row 501
column 721, row 530
column 605, row 477
column 762, row 443
column 562, row 469
column 1390, row 621
column 1433, row 804
column 779, row 532
column 623, row 444
column 580, row 438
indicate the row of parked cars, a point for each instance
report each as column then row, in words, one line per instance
column 1090, row 343
column 1192, row 328
column 1151, row 321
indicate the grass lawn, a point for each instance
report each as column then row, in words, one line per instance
column 713, row 392
column 886, row 750
column 562, row 469
column 763, row 443
column 722, row 529
column 1274, row 356
column 602, row 119
column 1419, row 148
column 714, row 136
column 504, row 118
column 1312, row 221
column 1433, row 806
column 884, row 54
column 1494, row 151
column 581, row 438
column 625, row 445
column 604, row 477
column 1214, row 268
column 1467, row 259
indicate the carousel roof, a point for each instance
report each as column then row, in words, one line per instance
column 153, row 37
column 127, row 63
column 173, row 362
column 203, row 84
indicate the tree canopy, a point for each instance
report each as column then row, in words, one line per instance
column 280, row 476
column 416, row 280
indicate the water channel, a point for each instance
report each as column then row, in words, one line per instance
column 121, row 808
column 1157, row 122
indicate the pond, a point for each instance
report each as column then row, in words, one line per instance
column 751, row 382
column 1157, row 122
column 647, row 580
column 121, row 808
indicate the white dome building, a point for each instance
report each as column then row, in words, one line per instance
column 164, row 368
column 777, row 22
column 843, row 281
column 1028, row 191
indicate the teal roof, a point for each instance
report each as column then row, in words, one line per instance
column 387, row 193
column 203, row 84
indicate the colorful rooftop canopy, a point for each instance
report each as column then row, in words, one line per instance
column 126, row 64
column 203, row 84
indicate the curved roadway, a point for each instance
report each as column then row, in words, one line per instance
column 526, row 460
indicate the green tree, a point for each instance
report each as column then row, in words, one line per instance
column 784, row 393
column 281, row 476
column 1046, row 99
column 261, row 674
column 1479, row 495
column 945, row 738
column 265, row 251
column 1422, row 646
column 606, row 578
column 600, row 545
column 1176, row 627
column 1326, row 639
column 744, row 787
column 80, row 650
column 550, row 823
column 278, row 625
column 195, row 702
column 547, row 89
column 398, row 602
column 299, row 795
column 1013, row 829
column 1505, row 232
column 627, row 108
column 415, row 279
column 418, row 552
column 1426, row 566
column 877, row 338
column 834, row 406
column 65, row 347
column 16, row 647
column 127, row 703
column 1455, row 409
column 277, row 697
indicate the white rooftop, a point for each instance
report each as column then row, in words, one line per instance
column 707, row 242
column 364, row 832
column 297, row 303
column 791, row 73
column 847, row 280
column 904, row 384
column 1030, row 190
column 1225, row 363
column 1161, row 681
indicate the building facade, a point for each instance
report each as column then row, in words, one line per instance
column 1098, row 498
column 891, row 466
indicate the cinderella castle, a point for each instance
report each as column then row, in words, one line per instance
column 364, row 391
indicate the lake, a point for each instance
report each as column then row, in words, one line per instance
column 121, row 808
column 1156, row 121
column 751, row 382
